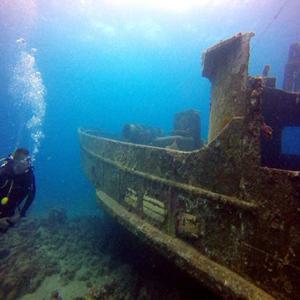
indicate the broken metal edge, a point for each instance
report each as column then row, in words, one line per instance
column 206, row 55
column 210, row 274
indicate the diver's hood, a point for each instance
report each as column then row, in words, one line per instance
column 21, row 166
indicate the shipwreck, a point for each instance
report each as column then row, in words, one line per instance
column 228, row 214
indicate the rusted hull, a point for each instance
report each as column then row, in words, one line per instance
column 216, row 212
column 218, row 278
column 223, row 229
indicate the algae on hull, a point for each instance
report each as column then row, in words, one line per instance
column 217, row 212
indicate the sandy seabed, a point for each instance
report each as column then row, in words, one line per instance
column 90, row 258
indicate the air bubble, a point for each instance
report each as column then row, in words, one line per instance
column 29, row 92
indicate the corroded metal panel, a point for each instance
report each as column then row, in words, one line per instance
column 131, row 198
column 188, row 226
column 154, row 209
column 226, row 66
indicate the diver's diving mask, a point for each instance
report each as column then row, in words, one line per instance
column 21, row 166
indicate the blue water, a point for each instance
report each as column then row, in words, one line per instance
column 106, row 63
column 290, row 141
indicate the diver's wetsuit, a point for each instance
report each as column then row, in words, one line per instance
column 16, row 188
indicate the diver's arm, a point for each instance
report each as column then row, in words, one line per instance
column 29, row 199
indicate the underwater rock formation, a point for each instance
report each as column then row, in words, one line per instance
column 26, row 265
column 88, row 252
column 57, row 216
column 55, row 295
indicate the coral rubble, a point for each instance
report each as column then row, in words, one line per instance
column 59, row 258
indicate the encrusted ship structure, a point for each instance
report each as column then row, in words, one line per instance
column 228, row 214
column 185, row 135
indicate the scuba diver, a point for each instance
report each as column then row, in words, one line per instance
column 17, row 187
